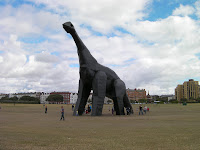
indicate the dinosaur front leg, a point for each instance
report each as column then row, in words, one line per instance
column 99, row 92
column 83, row 94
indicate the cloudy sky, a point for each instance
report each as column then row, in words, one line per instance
column 150, row 44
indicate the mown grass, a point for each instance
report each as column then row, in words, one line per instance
column 165, row 126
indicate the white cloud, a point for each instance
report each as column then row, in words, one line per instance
column 101, row 15
column 184, row 10
column 159, row 54
column 197, row 6
column 46, row 57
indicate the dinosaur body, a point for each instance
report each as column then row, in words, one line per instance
column 94, row 76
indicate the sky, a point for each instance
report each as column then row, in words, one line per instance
column 151, row 44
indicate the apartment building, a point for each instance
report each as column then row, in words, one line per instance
column 189, row 89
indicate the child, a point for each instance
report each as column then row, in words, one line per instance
column 62, row 113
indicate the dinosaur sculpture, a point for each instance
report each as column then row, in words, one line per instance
column 94, row 76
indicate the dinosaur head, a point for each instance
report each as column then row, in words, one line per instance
column 68, row 26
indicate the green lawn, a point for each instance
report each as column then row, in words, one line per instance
column 165, row 126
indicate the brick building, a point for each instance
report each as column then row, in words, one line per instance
column 66, row 96
column 136, row 94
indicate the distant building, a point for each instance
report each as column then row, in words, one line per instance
column 189, row 89
column 43, row 98
column 155, row 98
column 107, row 100
column 168, row 97
column 171, row 97
column 199, row 90
column 149, row 98
column 73, row 98
column 136, row 94
column 31, row 94
column 179, row 92
column 66, row 96
column 3, row 95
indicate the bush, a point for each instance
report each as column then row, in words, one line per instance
column 174, row 101
column 142, row 100
column 5, row 98
column 29, row 99
column 14, row 98
column 55, row 98
column 183, row 100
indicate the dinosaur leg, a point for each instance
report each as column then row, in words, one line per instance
column 99, row 92
column 83, row 94
column 120, row 90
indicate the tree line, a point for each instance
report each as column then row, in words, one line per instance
column 23, row 99
column 30, row 99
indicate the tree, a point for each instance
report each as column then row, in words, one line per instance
column 13, row 98
column 198, row 99
column 5, row 98
column 142, row 100
column 191, row 98
column 174, row 101
column 163, row 99
column 183, row 100
column 55, row 98
column 29, row 99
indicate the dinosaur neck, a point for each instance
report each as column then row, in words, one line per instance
column 85, row 57
column 80, row 45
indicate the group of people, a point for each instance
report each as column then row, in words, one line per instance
column 89, row 109
column 145, row 109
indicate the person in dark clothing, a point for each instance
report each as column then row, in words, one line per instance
column 113, row 109
column 45, row 109
column 62, row 113
column 89, row 110
column 140, row 110
column 128, row 111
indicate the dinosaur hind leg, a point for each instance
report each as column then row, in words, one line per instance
column 120, row 90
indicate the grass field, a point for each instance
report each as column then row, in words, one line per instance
column 165, row 126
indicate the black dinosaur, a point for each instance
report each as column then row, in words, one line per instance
column 94, row 76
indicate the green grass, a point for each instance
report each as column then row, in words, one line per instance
column 166, row 126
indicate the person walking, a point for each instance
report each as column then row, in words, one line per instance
column 62, row 113
column 140, row 110
column 45, row 109
column 113, row 109
column 145, row 109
